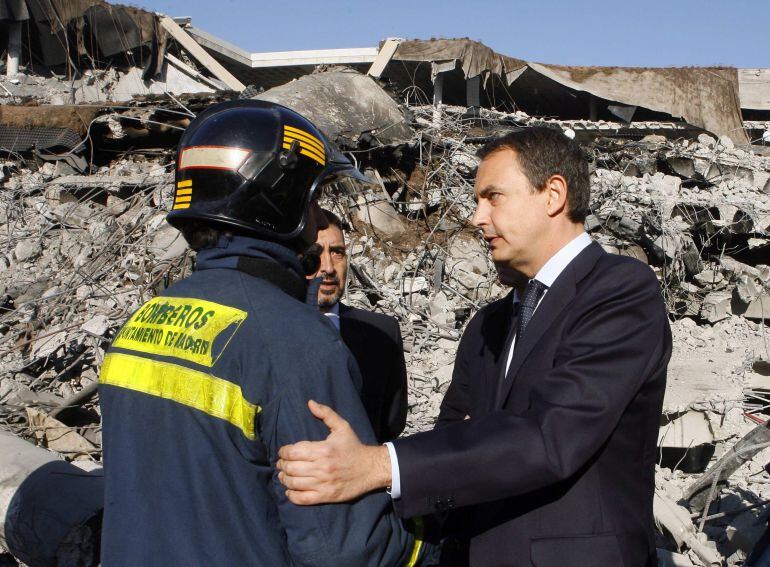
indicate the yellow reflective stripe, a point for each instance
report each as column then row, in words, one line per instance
column 186, row 183
column 182, row 206
column 305, row 152
column 418, row 538
column 306, row 136
column 289, row 138
column 181, row 192
column 204, row 392
column 184, row 199
column 303, row 144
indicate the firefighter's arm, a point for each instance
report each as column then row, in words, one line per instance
column 363, row 532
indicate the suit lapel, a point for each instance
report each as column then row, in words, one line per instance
column 559, row 295
column 496, row 353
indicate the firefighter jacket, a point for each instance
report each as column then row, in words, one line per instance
column 199, row 390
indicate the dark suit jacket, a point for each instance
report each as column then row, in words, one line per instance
column 375, row 341
column 556, row 467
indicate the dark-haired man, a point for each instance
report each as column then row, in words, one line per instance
column 374, row 339
column 555, row 467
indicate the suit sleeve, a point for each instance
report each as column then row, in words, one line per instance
column 619, row 337
column 396, row 389
column 365, row 532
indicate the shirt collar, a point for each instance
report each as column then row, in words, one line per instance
column 334, row 315
column 555, row 266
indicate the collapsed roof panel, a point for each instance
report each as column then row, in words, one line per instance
column 704, row 97
column 344, row 104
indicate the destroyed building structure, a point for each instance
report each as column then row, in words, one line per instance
column 93, row 100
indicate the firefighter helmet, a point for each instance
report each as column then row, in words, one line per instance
column 253, row 166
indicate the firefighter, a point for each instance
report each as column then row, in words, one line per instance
column 207, row 380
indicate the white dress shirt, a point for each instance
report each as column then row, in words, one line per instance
column 551, row 270
column 334, row 315
column 547, row 275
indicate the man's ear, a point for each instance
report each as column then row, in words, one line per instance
column 556, row 188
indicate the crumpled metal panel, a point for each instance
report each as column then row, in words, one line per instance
column 16, row 139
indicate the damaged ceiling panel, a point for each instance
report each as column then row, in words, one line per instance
column 475, row 58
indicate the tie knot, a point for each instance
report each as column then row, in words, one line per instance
column 532, row 293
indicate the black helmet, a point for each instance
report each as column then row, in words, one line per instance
column 253, row 166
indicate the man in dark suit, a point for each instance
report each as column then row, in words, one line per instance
column 555, row 466
column 374, row 339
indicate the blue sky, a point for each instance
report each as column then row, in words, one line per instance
column 588, row 32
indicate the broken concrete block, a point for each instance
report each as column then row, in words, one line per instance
column 666, row 185
column 97, row 325
column 735, row 269
column 685, row 431
column 116, row 206
column 707, row 141
column 27, row 249
column 77, row 214
column 383, row 218
column 747, row 289
column 726, row 142
column 443, row 377
column 762, row 181
column 759, row 308
column 49, row 342
column 682, row 166
column 716, row 306
column 56, row 195
column 167, row 242
column 708, row 278
column 414, row 285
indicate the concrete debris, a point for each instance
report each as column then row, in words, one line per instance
column 382, row 218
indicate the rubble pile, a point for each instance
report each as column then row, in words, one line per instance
column 80, row 250
column 79, row 254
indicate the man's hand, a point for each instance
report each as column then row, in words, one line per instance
column 339, row 469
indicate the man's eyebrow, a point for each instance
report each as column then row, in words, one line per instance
column 486, row 190
column 338, row 248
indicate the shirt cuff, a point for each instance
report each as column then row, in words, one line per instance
column 395, row 476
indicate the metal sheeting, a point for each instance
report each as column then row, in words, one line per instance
column 22, row 139
column 706, row 97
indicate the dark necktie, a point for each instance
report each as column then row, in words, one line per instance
column 532, row 294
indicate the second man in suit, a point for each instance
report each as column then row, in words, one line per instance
column 374, row 339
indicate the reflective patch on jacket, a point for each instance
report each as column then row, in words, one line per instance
column 180, row 327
